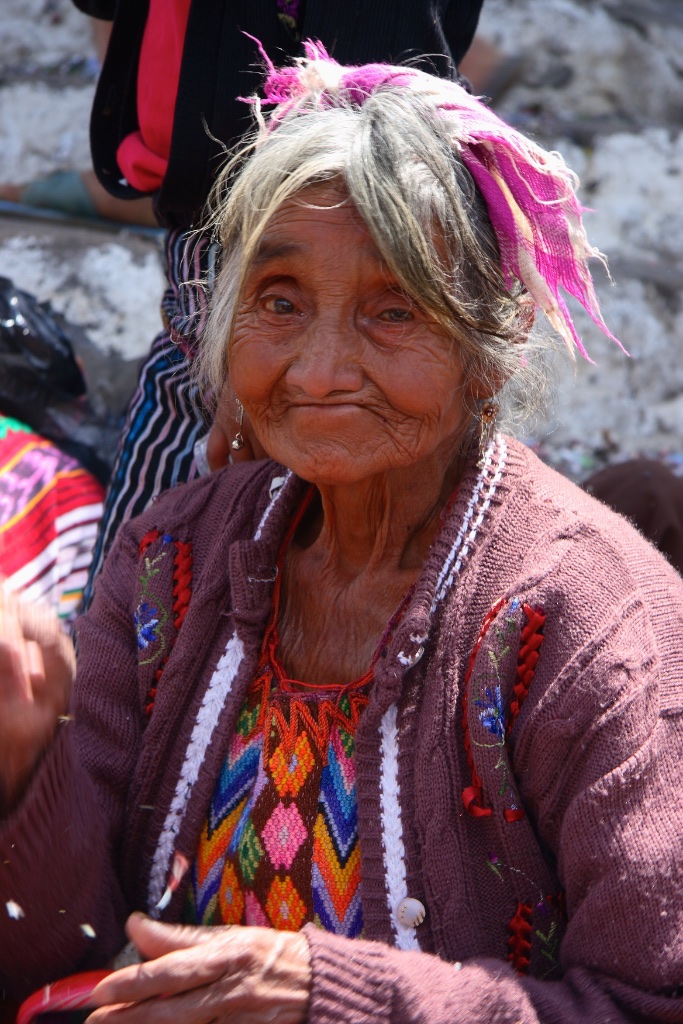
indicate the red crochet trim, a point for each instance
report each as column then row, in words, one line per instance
column 531, row 639
column 182, row 594
column 472, row 795
column 519, row 943
column 182, row 581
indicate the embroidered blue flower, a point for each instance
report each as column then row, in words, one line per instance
column 492, row 714
column 146, row 620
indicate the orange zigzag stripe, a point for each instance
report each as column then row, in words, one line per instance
column 341, row 882
column 213, row 849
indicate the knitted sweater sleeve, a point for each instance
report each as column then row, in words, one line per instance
column 58, row 849
column 599, row 760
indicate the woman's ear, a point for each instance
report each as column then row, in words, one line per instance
column 482, row 385
column 478, row 390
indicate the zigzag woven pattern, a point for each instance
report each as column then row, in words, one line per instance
column 280, row 844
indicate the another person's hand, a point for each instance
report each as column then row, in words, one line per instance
column 37, row 667
column 202, row 975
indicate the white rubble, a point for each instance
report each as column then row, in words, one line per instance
column 42, row 132
column 43, row 32
column 103, row 288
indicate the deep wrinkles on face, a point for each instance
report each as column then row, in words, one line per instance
column 404, row 379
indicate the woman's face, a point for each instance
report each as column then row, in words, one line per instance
column 340, row 372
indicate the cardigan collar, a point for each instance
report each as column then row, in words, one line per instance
column 252, row 562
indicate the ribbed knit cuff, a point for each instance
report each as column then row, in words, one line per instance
column 352, row 980
column 362, row 982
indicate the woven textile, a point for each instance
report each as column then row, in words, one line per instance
column 280, row 844
column 50, row 508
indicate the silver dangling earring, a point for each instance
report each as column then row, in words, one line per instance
column 238, row 443
column 488, row 412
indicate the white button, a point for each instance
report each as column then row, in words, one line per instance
column 410, row 912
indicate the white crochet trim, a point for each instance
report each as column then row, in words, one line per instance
column 468, row 529
column 205, row 723
column 392, row 830
column 392, row 826
column 271, row 505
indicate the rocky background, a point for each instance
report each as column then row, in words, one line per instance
column 599, row 80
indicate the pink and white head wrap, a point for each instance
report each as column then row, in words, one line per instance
column 529, row 191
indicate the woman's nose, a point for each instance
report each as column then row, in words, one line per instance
column 328, row 358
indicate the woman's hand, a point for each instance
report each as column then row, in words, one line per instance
column 37, row 667
column 207, row 976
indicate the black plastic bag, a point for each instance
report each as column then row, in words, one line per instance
column 41, row 383
column 37, row 361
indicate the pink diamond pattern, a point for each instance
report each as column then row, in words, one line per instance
column 283, row 835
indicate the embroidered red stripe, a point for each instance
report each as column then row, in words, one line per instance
column 472, row 795
column 182, row 594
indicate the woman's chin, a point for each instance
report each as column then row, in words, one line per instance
column 326, row 475
column 330, row 466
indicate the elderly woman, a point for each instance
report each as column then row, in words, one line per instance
column 398, row 704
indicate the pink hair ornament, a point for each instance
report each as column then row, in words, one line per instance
column 530, row 193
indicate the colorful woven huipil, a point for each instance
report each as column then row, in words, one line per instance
column 280, row 844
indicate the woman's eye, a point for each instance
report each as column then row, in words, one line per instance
column 276, row 304
column 396, row 316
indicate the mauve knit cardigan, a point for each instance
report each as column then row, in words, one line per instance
column 519, row 765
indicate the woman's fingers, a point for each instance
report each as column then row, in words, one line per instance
column 37, row 665
column 208, row 974
column 15, row 676
column 34, row 650
column 40, row 626
column 162, row 977
column 190, row 1008
column 155, row 938
column 167, row 968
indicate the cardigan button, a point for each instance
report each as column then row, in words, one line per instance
column 410, row 912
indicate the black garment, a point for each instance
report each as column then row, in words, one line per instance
column 220, row 63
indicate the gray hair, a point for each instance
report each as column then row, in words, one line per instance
column 395, row 158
